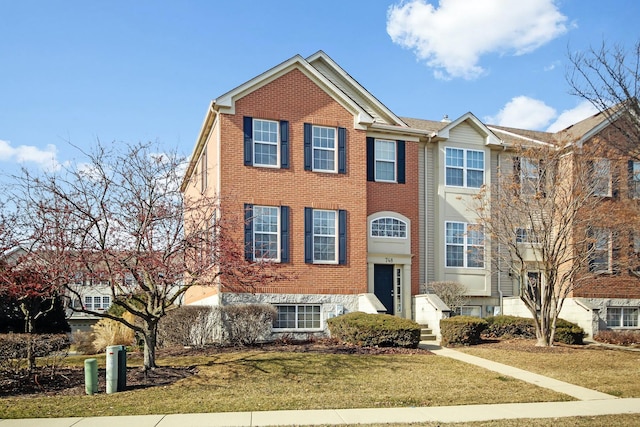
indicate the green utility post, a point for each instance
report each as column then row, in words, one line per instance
column 91, row 376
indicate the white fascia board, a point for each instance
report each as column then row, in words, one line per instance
column 524, row 138
column 320, row 55
column 203, row 136
column 379, row 130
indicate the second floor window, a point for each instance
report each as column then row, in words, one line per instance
column 464, row 245
column 266, row 233
column 601, row 251
column 464, row 168
column 325, row 236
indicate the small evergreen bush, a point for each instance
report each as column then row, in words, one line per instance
column 568, row 332
column 461, row 330
column 375, row 330
column 509, row 327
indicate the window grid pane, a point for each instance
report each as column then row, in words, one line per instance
column 388, row 227
column 385, row 160
column 265, row 233
column 324, row 148
column 464, row 168
column 324, row 235
column 265, row 139
column 464, row 245
column 298, row 317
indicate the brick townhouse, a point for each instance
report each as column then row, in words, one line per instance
column 361, row 207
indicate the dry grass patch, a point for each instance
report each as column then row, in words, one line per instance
column 616, row 372
column 275, row 380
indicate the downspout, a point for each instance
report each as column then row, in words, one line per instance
column 426, row 210
column 500, row 295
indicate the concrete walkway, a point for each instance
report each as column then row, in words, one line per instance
column 590, row 403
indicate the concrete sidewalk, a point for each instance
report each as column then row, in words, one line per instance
column 589, row 403
column 444, row 414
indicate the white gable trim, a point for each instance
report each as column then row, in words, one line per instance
column 226, row 102
column 321, row 56
column 489, row 137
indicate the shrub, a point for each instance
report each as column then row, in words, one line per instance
column 83, row 342
column 111, row 332
column 461, row 330
column 524, row 327
column 568, row 332
column 509, row 327
column 246, row 324
column 188, row 326
column 626, row 338
column 369, row 330
column 14, row 352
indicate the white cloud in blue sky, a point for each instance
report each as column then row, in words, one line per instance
column 523, row 112
column 453, row 36
column 46, row 159
column 580, row 112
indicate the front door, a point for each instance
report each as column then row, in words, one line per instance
column 383, row 285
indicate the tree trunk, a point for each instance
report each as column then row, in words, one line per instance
column 28, row 329
column 149, row 335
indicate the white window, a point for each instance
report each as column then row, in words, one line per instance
column 388, row 227
column 634, row 180
column 464, row 245
column 622, row 317
column 470, row 310
column 525, row 235
column 266, row 233
column 97, row 303
column 325, row 240
column 464, row 168
column 324, row 149
column 265, row 143
column 601, row 177
column 385, row 160
column 298, row 317
column 530, row 177
column 601, row 256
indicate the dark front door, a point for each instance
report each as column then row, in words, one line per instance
column 383, row 285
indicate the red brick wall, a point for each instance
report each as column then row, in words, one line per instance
column 294, row 97
column 403, row 199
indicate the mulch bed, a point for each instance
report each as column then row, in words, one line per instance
column 69, row 381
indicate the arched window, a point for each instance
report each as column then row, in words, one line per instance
column 389, row 227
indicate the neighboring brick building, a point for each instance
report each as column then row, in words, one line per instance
column 360, row 206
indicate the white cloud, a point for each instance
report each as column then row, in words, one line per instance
column 524, row 113
column 568, row 117
column 452, row 36
column 46, row 159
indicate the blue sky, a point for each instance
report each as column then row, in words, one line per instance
column 74, row 72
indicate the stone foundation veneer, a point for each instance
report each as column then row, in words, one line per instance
column 331, row 306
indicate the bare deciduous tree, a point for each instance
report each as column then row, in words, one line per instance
column 119, row 219
column 608, row 77
column 539, row 215
column 453, row 294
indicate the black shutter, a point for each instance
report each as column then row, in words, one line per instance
column 630, row 180
column 342, row 237
column 370, row 159
column 401, row 161
column 248, row 141
column 284, row 233
column 616, row 252
column 248, row 232
column 342, row 150
column 284, row 144
column 591, row 248
column 308, row 235
column 307, row 146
